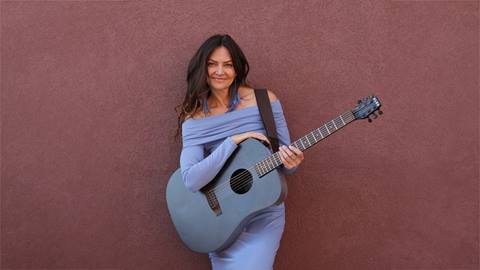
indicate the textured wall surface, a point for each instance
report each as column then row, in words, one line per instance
column 88, row 90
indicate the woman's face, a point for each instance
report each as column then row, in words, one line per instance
column 221, row 73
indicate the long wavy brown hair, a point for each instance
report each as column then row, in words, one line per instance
column 198, row 90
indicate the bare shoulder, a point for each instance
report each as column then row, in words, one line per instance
column 248, row 94
column 271, row 96
column 196, row 115
column 245, row 92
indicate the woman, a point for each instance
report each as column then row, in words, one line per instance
column 219, row 111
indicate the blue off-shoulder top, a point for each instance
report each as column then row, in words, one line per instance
column 207, row 142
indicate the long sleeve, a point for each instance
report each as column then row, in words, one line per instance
column 283, row 137
column 197, row 171
column 197, row 168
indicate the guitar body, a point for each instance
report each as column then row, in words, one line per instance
column 204, row 228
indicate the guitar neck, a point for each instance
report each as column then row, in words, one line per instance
column 273, row 161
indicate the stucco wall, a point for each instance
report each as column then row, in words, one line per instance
column 88, row 90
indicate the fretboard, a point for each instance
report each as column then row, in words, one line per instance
column 273, row 161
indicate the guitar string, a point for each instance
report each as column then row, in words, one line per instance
column 246, row 182
column 237, row 183
column 240, row 183
column 243, row 179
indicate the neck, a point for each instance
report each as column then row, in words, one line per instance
column 220, row 97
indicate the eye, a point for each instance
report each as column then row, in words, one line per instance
column 228, row 65
column 211, row 64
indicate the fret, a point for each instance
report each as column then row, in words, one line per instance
column 264, row 167
column 326, row 127
column 330, row 127
column 333, row 121
column 308, row 139
column 297, row 144
column 278, row 160
column 306, row 142
column 309, row 136
column 338, row 123
column 350, row 116
column 302, row 144
column 259, row 169
column 320, row 132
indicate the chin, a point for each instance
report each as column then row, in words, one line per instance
column 219, row 86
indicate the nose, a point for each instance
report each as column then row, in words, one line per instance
column 219, row 70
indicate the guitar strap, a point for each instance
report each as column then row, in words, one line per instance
column 265, row 108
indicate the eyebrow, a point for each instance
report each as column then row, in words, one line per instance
column 211, row 60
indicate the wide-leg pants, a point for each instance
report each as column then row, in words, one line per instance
column 256, row 246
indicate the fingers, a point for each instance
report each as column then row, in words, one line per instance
column 259, row 136
column 286, row 160
column 243, row 136
column 290, row 156
column 296, row 150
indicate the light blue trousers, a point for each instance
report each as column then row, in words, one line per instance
column 256, row 246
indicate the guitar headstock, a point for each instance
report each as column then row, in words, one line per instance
column 366, row 107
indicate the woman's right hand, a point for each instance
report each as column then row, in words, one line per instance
column 241, row 137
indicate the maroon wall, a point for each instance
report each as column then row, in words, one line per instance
column 88, row 92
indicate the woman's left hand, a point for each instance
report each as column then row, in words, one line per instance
column 290, row 156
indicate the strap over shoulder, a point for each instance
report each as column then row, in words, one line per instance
column 265, row 108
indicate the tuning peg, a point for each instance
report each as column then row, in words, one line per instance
column 359, row 101
column 369, row 120
column 374, row 115
column 380, row 112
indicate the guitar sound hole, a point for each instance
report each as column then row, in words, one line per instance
column 241, row 181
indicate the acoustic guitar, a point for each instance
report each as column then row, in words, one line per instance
column 212, row 218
